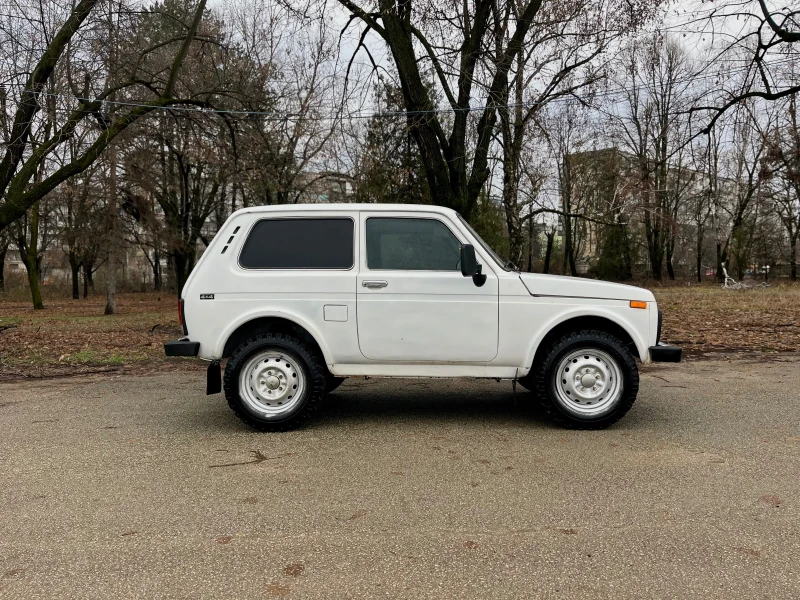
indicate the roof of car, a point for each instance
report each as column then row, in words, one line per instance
column 344, row 206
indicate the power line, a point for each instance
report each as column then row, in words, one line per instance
column 289, row 116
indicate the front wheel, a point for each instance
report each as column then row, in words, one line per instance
column 587, row 380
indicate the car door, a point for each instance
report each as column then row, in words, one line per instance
column 412, row 302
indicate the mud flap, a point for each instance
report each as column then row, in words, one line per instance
column 213, row 378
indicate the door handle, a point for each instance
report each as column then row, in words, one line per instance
column 374, row 284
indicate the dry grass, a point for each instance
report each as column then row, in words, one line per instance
column 73, row 336
column 708, row 319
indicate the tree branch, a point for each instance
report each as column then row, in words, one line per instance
column 784, row 34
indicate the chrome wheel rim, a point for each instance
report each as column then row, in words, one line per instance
column 588, row 382
column 272, row 383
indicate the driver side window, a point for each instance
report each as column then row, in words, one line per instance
column 396, row 243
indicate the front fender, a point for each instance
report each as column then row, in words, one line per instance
column 638, row 331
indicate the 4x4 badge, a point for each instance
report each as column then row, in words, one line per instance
column 206, row 296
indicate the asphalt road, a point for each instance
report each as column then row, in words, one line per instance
column 142, row 487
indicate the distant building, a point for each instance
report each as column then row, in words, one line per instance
column 324, row 187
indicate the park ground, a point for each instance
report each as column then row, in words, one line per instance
column 72, row 337
column 119, row 486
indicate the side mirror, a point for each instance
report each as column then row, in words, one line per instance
column 470, row 266
column 469, row 263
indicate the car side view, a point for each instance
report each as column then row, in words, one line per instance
column 298, row 298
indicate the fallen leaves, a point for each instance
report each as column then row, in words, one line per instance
column 709, row 320
column 73, row 337
column 772, row 500
column 294, row 569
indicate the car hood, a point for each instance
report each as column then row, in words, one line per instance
column 578, row 287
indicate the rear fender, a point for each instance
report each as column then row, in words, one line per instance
column 280, row 314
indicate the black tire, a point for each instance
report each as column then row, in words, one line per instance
column 333, row 383
column 304, row 357
column 542, row 379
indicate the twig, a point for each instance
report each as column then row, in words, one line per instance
column 258, row 457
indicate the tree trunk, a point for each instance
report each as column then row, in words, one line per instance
column 75, row 267
column 3, row 251
column 89, row 275
column 656, row 258
column 512, row 137
column 792, row 260
column 33, row 281
column 549, row 252
column 573, row 269
column 569, row 249
column 111, row 296
column 670, row 266
column 657, row 269
column 86, row 271
column 28, row 252
column 156, row 270
column 516, row 240
column 530, row 245
column 567, row 244
column 184, row 262
column 740, row 267
column 699, row 256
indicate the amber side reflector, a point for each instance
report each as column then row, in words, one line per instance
column 638, row 304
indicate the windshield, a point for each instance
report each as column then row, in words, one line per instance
column 503, row 264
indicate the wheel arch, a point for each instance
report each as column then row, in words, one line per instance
column 276, row 323
column 575, row 322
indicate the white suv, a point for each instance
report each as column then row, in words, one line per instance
column 297, row 298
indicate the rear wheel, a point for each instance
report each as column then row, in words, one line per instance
column 587, row 380
column 274, row 382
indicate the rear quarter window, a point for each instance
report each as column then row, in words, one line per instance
column 324, row 243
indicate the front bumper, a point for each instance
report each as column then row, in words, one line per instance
column 664, row 353
column 181, row 347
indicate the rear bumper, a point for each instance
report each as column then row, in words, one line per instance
column 664, row 353
column 181, row 347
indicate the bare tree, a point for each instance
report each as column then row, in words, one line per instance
column 737, row 203
column 294, row 74
column 33, row 236
column 389, row 166
column 31, row 79
column 781, row 167
column 454, row 42
column 558, row 61
column 753, row 33
column 77, row 207
column 569, row 134
column 702, row 203
column 655, row 76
